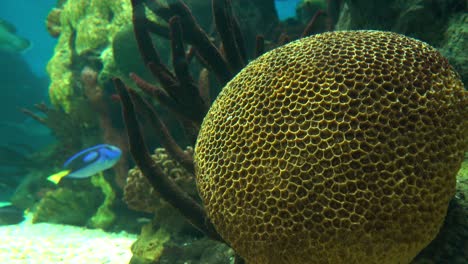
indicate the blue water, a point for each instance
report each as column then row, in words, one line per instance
column 286, row 8
column 28, row 16
column 23, row 78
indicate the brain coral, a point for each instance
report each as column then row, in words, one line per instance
column 338, row 148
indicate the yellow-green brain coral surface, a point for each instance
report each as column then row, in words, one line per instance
column 337, row 148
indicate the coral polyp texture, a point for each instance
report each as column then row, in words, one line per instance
column 141, row 196
column 342, row 147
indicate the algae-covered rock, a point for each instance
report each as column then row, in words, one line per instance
column 104, row 216
column 141, row 196
column 455, row 44
column 149, row 245
column 53, row 22
column 29, row 191
column 91, row 33
column 125, row 54
column 87, row 28
column 197, row 251
column 160, row 246
column 66, row 206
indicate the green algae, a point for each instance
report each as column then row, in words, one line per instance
column 104, row 216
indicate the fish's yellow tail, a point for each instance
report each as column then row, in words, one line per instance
column 55, row 178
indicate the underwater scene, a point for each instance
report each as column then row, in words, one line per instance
column 234, row 131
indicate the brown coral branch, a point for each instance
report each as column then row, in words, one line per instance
column 333, row 11
column 187, row 91
column 259, row 45
column 43, row 108
column 230, row 34
column 190, row 54
column 238, row 259
column 309, row 28
column 204, row 85
column 179, row 61
column 62, row 126
column 167, row 102
column 145, row 45
column 182, row 93
column 156, row 28
column 201, row 60
column 172, row 193
column 166, row 140
column 283, row 39
column 158, row 93
column 142, row 36
column 159, row 9
column 34, row 116
column 195, row 35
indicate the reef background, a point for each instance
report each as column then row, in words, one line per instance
column 95, row 43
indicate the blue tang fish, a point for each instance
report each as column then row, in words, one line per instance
column 88, row 162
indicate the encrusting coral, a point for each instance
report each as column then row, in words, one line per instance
column 65, row 206
column 141, row 196
column 85, row 27
column 338, row 148
column 150, row 245
column 104, row 216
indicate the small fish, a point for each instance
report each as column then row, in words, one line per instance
column 10, row 215
column 88, row 162
column 9, row 41
column 143, row 220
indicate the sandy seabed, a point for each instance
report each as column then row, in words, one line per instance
column 44, row 243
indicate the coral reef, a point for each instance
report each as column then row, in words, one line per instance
column 124, row 48
column 439, row 23
column 178, row 92
column 53, row 22
column 86, row 30
column 110, row 131
column 329, row 153
column 150, row 245
column 188, row 100
column 29, row 191
column 141, row 196
column 200, row 251
column 66, row 206
column 81, row 68
column 70, row 130
column 104, row 216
